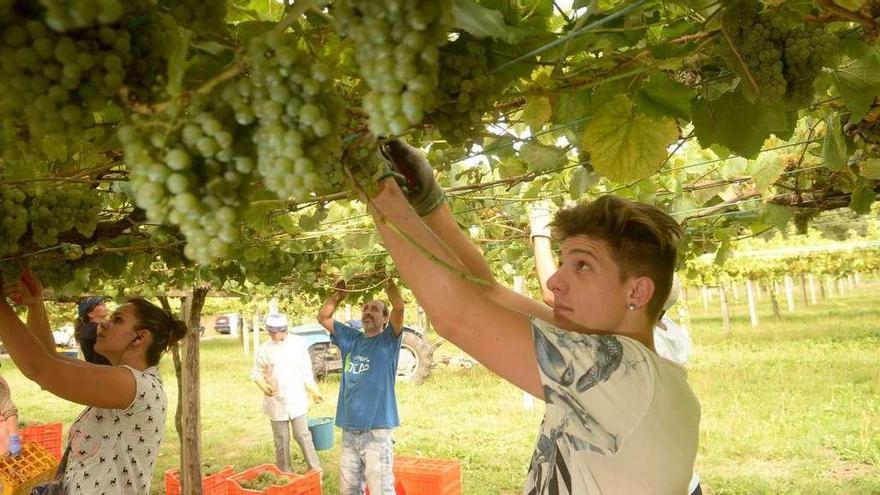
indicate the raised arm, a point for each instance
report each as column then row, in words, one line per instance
column 495, row 335
column 441, row 221
column 112, row 387
column 29, row 292
column 325, row 314
column 545, row 265
column 397, row 307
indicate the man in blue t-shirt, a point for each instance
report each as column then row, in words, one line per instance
column 367, row 407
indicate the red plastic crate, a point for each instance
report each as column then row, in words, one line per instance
column 213, row 484
column 422, row 476
column 307, row 484
column 48, row 435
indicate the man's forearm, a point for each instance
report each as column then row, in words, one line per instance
column 312, row 388
column 446, row 228
column 329, row 308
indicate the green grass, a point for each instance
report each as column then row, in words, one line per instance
column 791, row 407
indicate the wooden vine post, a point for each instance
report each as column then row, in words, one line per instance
column 789, row 293
column 804, row 297
column 811, row 281
column 774, row 303
column 753, row 307
column 725, row 308
column 191, row 445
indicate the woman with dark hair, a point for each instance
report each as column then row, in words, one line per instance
column 114, row 443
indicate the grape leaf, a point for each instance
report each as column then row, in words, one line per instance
column 537, row 112
column 870, row 168
column 581, row 180
column 482, row 22
column 113, row 264
column 734, row 122
column 861, row 199
column 776, row 215
column 541, row 158
column 767, row 170
column 624, row 146
column 723, row 253
column 663, row 97
column 570, row 107
column 858, row 82
column 834, row 150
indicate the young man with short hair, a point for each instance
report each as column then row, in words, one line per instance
column 619, row 418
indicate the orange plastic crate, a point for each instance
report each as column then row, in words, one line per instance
column 48, row 435
column 34, row 466
column 308, row 484
column 423, row 476
column 398, row 488
column 213, row 484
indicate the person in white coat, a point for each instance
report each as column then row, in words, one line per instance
column 283, row 371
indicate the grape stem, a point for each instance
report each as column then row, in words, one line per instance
column 230, row 72
column 847, row 14
column 299, row 8
column 741, row 61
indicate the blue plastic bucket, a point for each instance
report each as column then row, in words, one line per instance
column 322, row 433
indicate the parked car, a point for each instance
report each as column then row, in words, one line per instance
column 222, row 325
column 413, row 365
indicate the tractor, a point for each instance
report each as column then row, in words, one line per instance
column 414, row 365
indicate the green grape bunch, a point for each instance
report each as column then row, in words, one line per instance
column 779, row 61
column 13, row 218
column 291, row 98
column 66, row 278
column 397, row 48
column 191, row 168
column 465, row 93
column 55, row 84
column 265, row 480
column 67, row 15
column 63, row 209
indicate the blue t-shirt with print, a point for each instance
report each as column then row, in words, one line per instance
column 369, row 368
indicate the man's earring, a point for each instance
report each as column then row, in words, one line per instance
column 631, row 307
